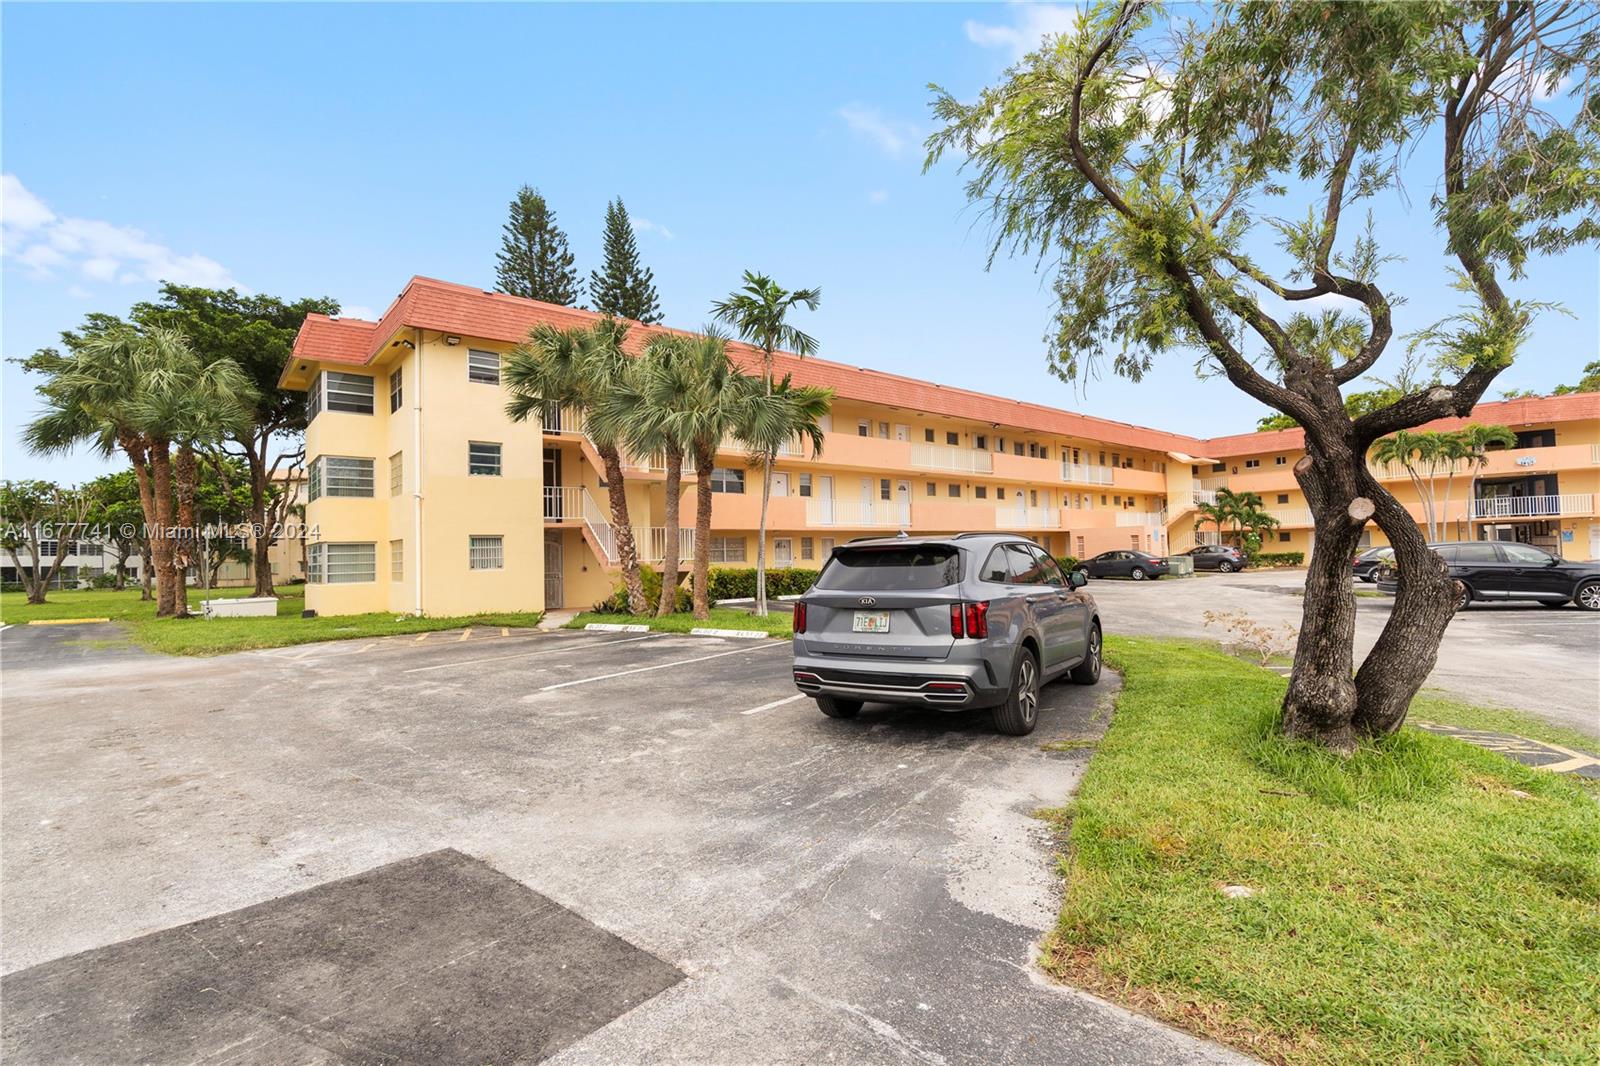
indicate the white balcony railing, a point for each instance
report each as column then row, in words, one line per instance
column 563, row 503
column 1293, row 517
column 652, row 544
column 857, row 514
column 562, row 419
column 1150, row 519
column 1581, row 503
column 1200, row 496
column 1085, row 473
column 794, row 448
column 598, row 520
column 1027, row 518
column 948, row 457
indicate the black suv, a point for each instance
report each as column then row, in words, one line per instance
column 1494, row 570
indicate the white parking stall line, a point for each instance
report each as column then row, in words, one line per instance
column 571, row 645
column 775, row 703
column 662, row 666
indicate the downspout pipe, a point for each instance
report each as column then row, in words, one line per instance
column 416, row 491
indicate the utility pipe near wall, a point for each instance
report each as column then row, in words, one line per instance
column 416, row 432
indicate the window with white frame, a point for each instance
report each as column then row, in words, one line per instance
column 863, row 428
column 483, row 367
column 1280, row 460
column 394, row 391
column 397, row 560
column 340, row 475
column 397, row 474
column 808, row 548
column 727, row 479
column 486, row 553
column 726, row 550
column 805, row 484
column 333, row 390
column 483, row 458
column 1251, row 464
column 341, row 564
column 827, row 547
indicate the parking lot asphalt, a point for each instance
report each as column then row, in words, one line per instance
column 864, row 891
column 1525, row 656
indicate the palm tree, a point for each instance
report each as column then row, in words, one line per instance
column 1451, row 450
column 1407, row 449
column 1211, row 512
column 773, row 415
column 645, row 412
column 579, row 368
column 1476, row 440
column 194, row 405
column 758, row 312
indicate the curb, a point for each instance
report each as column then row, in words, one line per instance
column 615, row 627
column 734, row 634
column 66, row 621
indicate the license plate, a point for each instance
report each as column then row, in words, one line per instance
column 870, row 622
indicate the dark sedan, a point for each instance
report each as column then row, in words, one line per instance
column 1492, row 571
column 1221, row 557
column 1364, row 567
column 1125, row 563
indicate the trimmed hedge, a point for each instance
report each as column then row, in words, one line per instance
column 1281, row 558
column 1069, row 563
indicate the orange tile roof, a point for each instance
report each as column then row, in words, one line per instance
column 427, row 303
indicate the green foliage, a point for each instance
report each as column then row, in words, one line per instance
column 1421, row 901
column 1590, row 382
column 650, row 577
column 627, row 288
column 534, row 261
column 1069, row 563
column 728, row 583
column 1281, row 558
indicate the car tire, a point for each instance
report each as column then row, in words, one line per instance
column 834, row 707
column 1088, row 671
column 1588, row 596
column 1225, row 567
column 1019, row 714
column 1138, row 574
column 1370, row 577
column 1463, row 595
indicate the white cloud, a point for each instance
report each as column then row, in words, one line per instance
column 99, row 251
column 878, row 196
column 891, row 136
column 1030, row 24
column 361, row 311
column 644, row 225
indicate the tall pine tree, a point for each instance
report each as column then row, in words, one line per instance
column 534, row 261
column 626, row 289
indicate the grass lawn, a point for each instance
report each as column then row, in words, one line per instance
column 216, row 636
column 777, row 624
column 1409, row 906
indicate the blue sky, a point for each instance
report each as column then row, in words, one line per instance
column 337, row 150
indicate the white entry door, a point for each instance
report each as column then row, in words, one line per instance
column 780, row 483
column 902, row 432
column 553, row 591
column 1594, row 540
column 782, row 552
column 825, row 497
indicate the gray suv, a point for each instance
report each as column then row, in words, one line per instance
column 974, row 620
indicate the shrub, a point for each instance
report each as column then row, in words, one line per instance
column 1069, row 563
column 740, row 583
column 1281, row 558
column 104, row 581
column 650, row 578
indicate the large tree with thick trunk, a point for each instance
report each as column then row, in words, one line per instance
column 1192, row 182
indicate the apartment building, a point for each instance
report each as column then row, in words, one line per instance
column 422, row 496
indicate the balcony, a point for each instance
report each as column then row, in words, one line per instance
column 1085, row 474
column 1489, row 507
column 949, row 458
column 1027, row 518
column 1146, row 519
column 562, row 420
column 563, row 503
column 857, row 514
column 1293, row 517
column 1507, row 462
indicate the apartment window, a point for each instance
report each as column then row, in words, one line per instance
column 397, row 474
column 954, row 491
column 1116, row 501
column 1116, row 460
column 1000, row 444
column 1016, row 448
column 1044, row 451
column 341, row 564
column 980, row 442
column 927, row 435
column 952, row 438
column 1281, row 460
column 483, row 367
column 338, row 475
column 863, row 428
column 883, row 430
column 1033, row 449
column 394, row 391
column 1283, row 497
column 805, row 484
column 335, row 391
column 726, row 550
column 483, row 458
column 999, row 492
column 397, row 560
column 486, row 553
column 1102, row 499
column 1283, row 538
column 727, row 479
column 933, row 490
column 1033, row 497
column 980, row 492
column 1251, row 464
column 1219, row 468
column 827, row 547
column 1102, row 458
column 808, row 548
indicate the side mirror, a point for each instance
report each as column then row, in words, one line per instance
column 1077, row 579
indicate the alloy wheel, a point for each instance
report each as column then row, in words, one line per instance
column 1138, row 575
column 1589, row 597
column 1028, row 691
column 1094, row 653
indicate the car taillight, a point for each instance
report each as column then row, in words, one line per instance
column 978, row 619
column 957, row 622
column 799, row 618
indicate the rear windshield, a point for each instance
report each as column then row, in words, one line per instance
column 908, row 569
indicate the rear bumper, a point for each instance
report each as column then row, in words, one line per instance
column 948, row 686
